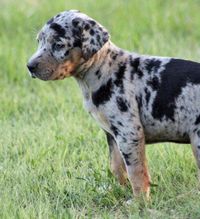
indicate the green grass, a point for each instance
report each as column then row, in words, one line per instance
column 53, row 157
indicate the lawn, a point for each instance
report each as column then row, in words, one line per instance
column 53, row 156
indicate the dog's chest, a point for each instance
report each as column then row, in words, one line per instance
column 98, row 114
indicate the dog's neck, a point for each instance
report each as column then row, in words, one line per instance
column 93, row 73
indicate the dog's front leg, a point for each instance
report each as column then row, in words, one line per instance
column 132, row 146
column 116, row 162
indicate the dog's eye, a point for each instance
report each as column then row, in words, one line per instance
column 58, row 46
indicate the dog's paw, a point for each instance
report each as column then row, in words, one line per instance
column 130, row 201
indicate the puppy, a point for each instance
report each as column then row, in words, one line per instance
column 136, row 99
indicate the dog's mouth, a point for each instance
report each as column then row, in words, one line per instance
column 59, row 74
column 45, row 76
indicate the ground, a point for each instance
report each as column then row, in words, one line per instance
column 53, row 156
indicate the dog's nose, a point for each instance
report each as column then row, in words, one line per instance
column 32, row 67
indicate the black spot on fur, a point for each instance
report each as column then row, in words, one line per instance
column 114, row 56
column 119, row 77
column 77, row 43
column 135, row 63
column 66, row 53
column 153, row 83
column 92, row 22
column 97, row 73
column 75, row 22
column 198, row 146
column 139, row 73
column 147, row 95
column 58, row 29
column 135, row 141
column 91, row 32
column 98, row 37
column 110, row 141
column 139, row 101
column 50, row 21
column 126, row 158
column 119, row 123
column 198, row 133
column 176, row 75
column 87, row 27
column 122, row 104
column 152, row 65
column 135, row 68
column 92, row 41
column 197, row 120
column 115, row 130
column 103, row 94
column 105, row 37
column 195, row 130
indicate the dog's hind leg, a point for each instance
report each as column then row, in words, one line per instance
column 116, row 162
column 195, row 141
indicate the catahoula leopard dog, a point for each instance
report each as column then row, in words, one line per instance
column 136, row 99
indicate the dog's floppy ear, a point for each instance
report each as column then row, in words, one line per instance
column 91, row 34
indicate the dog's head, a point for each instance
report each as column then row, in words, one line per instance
column 66, row 41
